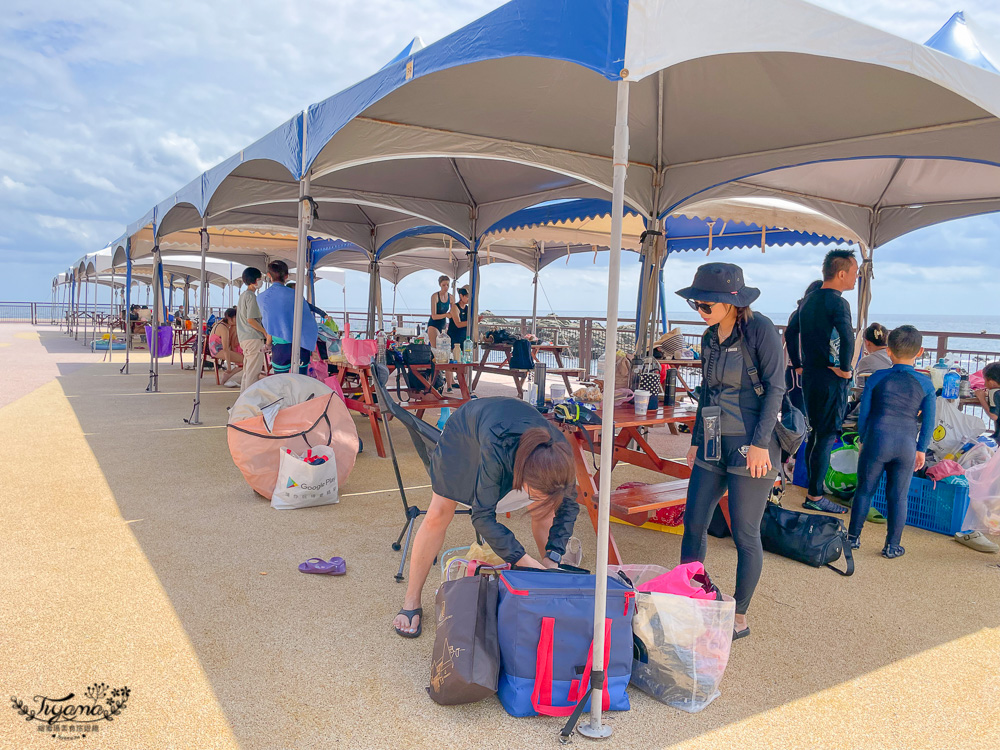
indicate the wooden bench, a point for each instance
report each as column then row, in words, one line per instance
column 636, row 505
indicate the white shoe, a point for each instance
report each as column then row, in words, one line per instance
column 977, row 540
column 231, row 383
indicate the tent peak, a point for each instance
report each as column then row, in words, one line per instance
column 965, row 40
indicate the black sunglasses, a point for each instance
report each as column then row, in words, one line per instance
column 705, row 307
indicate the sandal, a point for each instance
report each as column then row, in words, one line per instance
column 892, row 551
column 854, row 541
column 322, row 567
column 976, row 540
column 737, row 634
column 824, row 505
column 411, row 613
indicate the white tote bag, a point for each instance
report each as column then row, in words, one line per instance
column 954, row 428
column 302, row 485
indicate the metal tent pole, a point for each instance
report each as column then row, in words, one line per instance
column 128, row 304
column 301, row 260
column 595, row 729
column 154, row 338
column 111, row 318
column 199, row 360
column 534, row 296
column 86, row 302
column 372, row 298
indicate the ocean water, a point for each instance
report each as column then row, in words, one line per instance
column 972, row 324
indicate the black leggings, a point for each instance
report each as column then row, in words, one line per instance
column 747, row 500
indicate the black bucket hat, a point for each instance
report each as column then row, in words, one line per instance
column 720, row 282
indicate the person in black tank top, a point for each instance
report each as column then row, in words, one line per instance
column 440, row 310
column 458, row 327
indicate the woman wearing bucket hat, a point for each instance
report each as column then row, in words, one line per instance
column 733, row 446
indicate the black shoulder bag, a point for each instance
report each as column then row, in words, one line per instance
column 790, row 427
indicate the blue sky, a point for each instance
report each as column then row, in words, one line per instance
column 110, row 106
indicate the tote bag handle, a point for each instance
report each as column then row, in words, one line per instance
column 541, row 696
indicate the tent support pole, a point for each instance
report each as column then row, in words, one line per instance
column 128, row 305
column 153, row 344
column 111, row 319
column 305, row 219
column 373, row 287
column 596, row 729
column 199, row 357
column 534, row 304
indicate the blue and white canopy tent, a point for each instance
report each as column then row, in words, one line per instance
column 691, row 99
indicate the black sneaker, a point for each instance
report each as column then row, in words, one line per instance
column 854, row 541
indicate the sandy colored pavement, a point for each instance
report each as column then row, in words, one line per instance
column 135, row 554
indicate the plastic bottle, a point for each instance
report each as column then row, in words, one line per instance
column 445, row 413
column 964, row 387
column 599, row 372
column 467, row 351
column 380, row 348
column 938, row 372
column 950, row 384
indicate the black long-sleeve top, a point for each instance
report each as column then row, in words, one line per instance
column 727, row 384
column 819, row 334
column 473, row 463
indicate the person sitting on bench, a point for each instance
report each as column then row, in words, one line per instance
column 495, row 455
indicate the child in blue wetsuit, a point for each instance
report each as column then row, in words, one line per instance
column 895, row 424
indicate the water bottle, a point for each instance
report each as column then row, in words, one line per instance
column 950, row 384
column 380, row 348
column 599, row 372
column 445, row 413
column 539, row 384
column 964, row 387
column 670, row 388
column 467, row 351
column 938, row 372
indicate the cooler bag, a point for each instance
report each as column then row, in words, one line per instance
column 545, row 627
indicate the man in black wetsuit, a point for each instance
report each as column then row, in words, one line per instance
column 821, row 348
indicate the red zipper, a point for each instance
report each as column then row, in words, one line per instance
column 511, row 589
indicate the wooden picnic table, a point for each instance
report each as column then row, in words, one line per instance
column 359, row 393
column 633, row 505
column 519, row 376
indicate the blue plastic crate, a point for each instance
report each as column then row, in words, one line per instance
column 939, row 507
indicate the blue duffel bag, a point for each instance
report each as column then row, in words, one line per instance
column 545, row 627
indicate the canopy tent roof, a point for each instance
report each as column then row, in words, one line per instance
column 517, row 108
column 708, row 226
column 962, row 38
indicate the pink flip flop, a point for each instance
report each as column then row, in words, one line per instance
column 320, row 566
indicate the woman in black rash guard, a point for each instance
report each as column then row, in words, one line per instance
column 733, row 446
column 495, row 455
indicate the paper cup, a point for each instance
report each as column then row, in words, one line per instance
column 641, row 402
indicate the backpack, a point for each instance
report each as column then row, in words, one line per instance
column 419, row 354
column 520, row 356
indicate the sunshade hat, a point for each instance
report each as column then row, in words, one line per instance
column 720, row 282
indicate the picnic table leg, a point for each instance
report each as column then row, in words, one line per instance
column 587, row 492
column 462, row 376
column 482, row 364
column 565, row 377
column 372, row 418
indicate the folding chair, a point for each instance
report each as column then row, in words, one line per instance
column 424, row 437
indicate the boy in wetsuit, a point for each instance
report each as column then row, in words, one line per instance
column 895, row 424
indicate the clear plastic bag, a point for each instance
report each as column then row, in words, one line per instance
column 984, row 497
column 682, row 644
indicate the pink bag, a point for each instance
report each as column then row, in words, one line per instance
column 689, row 580
column 977, row 381
column 942, row 469
column 358, row 352
column 332, row 382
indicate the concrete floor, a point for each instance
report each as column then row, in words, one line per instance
column 135, row 554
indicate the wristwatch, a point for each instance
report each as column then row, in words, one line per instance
column 554, row 556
